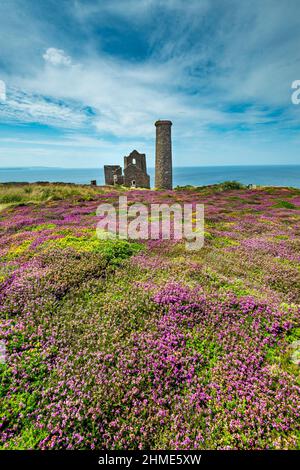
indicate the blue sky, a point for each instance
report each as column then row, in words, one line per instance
column 86, row 80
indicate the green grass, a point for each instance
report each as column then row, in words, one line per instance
column 285, row 205
column 22, row 194
column 113, row 250
column 281, row 354
column 221, row 242
column 22, row 401
column 225, row 186
column 4, row 206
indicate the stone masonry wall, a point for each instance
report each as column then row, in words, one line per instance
column 163, row 160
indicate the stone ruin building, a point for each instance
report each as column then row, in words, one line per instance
column 135, row 172
column 135, row 169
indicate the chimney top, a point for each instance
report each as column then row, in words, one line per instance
column 162, row 123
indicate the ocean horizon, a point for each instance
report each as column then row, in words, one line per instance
column 266, row 175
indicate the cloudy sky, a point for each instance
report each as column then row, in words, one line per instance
column 85, row 80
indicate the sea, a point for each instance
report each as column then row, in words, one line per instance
column 276, row 175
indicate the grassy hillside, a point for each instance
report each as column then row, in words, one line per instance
column 25, row 193
column 122, row 345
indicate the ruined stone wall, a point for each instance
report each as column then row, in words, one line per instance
column 138, row 158
column 110, row 171
column 133, row 173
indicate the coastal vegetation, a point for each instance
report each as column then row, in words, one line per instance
column 143, row 345
column 34, row 193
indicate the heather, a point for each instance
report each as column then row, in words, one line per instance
column 144, row 345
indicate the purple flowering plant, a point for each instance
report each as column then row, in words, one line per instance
column 144, row 345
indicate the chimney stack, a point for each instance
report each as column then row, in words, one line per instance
column 163, row 159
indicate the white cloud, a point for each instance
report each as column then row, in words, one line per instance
column 29, row 107
column 2, row 91
column 57, row 57
column 201, row 58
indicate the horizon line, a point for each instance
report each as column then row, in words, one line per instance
column 150, row 167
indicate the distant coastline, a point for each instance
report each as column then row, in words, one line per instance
column 266, row 175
